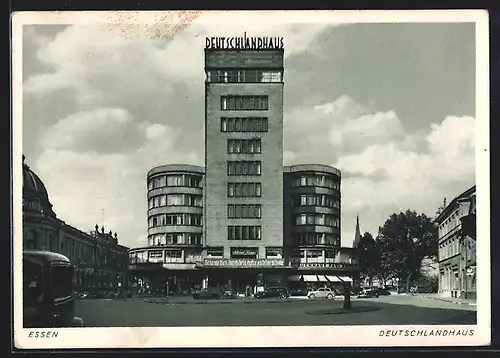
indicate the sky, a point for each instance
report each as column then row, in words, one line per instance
column 390, row 105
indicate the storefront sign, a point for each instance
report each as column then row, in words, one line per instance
column 243, row 263
column 243, row 43
column 244, row 252
column 336, row 265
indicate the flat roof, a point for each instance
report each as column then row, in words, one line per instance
column 170, row 168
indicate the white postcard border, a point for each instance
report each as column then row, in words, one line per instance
column 292, row 336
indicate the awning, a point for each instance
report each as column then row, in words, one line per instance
column 345, row 278
column 310, row 278
column 322, row 278
column 333, row 279
column 294, row 278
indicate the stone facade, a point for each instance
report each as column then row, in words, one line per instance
column 101, row 264
column 457, row 247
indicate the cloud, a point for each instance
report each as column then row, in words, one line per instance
column 111, row 103
column 411, row 179
column 102, row 130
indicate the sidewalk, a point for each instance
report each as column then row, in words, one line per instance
column 458, row 301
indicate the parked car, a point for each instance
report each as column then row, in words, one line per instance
column 48, row 293
column 384, row 292
column 209, row 293
column 323, row 292
column 273, row 292
column 369, row 293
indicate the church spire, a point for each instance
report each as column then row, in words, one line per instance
column 357, row 235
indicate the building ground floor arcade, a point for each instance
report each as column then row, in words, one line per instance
column 160, row 279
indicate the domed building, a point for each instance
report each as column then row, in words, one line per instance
column 100, row 262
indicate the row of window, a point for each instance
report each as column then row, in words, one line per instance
column 449, row 248
column 244, row 146
column 175, row 200
column 449, row 224
column 174, row 239
column 321, row 254
column 244, row 76
column 241, row 190
column 244, row 103
column 317, row 180
column 237, row 211
column 317, row 219
column 175, row 220
column 328, row 201
column 244, row 232
column 183, row 180
column 315, row 238
column 244, row 167
column 244, row 124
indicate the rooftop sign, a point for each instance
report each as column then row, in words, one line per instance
column 244, row 43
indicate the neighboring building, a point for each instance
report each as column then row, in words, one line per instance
column 262, row 223
column 175, row 230
column 100, row 262
column 457, row 246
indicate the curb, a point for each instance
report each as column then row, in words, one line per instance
column 450, row 301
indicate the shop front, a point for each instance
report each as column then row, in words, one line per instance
column 243, row 276
column 312, row 276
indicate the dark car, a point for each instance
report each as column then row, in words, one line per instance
column 273, row 292
column 384, row 292
column 213, row 293
column 48, row 296
column 368, row 293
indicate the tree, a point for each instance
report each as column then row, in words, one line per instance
column 369, row 256
column 404, row 241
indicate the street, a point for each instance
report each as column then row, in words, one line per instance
column 386, row 310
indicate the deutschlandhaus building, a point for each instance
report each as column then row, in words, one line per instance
column 243, row 220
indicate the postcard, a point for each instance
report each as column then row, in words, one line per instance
column 250, row 179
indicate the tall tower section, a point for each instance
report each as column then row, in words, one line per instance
column 243, row 192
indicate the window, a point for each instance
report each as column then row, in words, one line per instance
column 184, row 200
column 271, row 76
column 61, row 279
column 244, row 146
column 244, row 233
column 317, row 219
column 244, row 124
column 244, row 76
column 155, row 256
column 157, row 182
column 157, row 201
column 316, row 200
column 274, row 252
column 244, row 103
column 244, row 167
column 244, row 211
column 239, row 190
column 215, row 252
column 317, row 180
column 315, row 238
column 32, row 282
